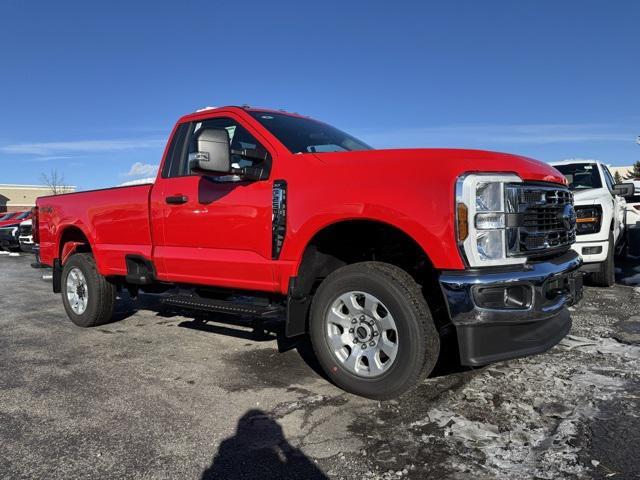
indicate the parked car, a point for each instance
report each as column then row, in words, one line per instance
column 9, row 238
column 376, row 254
column 600, row 208
column 14, row 218
column 25, row 236
column 7, row 218
column 9, row 230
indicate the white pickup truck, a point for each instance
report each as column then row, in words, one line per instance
column 601, row 216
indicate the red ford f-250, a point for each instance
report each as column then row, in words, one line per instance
column 375, row 254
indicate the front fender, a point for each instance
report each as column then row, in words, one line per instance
column 437, row 243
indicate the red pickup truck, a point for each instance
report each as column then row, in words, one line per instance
column 375, row 254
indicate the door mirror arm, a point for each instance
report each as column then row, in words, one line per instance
column 250, row 173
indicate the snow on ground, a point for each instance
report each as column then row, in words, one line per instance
column 529, row 418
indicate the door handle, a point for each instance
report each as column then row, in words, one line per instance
column 176, row 199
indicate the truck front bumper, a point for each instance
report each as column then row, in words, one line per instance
column 510, row 313
column 591, row 260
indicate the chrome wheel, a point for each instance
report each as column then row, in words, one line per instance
column 77, row 291
column 362, row 334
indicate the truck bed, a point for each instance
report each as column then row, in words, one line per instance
column 114, row 220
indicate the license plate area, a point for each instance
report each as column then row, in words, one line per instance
column 569, row 285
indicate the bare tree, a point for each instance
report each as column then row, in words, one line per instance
column 54, row 180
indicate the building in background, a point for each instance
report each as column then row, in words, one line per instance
column 17, row 198
column 623, row 171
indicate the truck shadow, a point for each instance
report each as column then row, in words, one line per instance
column 259, row 450
column 245, row 328
column 265, row 330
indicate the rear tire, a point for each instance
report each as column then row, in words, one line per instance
column 400, row 330
column 88, row 297
column 606, row 277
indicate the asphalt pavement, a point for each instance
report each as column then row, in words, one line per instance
column 166, row 394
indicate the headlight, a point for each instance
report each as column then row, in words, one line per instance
column 481, row 219
column 588, row 219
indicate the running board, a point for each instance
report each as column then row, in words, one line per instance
column 223, row 306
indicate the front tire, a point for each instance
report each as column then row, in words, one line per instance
column 372, row 331
column 88, row 297
column 606, row 277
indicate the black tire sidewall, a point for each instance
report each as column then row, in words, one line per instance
column 85, row 264
column 609, row 266
column 418, row 344
column 606, row 276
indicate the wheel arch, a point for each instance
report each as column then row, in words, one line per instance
column 71, row 239
column 76, row 237
column 349, row 241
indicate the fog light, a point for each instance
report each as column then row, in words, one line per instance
column 591, row 250
column 516, row 297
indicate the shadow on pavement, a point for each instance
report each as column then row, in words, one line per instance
column 259, row 450
column 267, row 330
column 628, row 271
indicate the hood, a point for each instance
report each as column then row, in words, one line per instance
column 587, row 197
column 454, row 161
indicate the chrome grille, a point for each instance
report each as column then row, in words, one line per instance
column 540, row 218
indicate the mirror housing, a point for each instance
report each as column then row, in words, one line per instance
column 624, row 189
column 213, row 153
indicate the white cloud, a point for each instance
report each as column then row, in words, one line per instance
column 139, row 181
column 48, row 158
column 140, row 169
column 82, row 146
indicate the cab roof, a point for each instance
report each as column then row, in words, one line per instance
column 239, row 108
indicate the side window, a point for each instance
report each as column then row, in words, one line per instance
column 171, row 167
column 239, row 138
column 608, row 178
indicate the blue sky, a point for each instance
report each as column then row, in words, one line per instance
column 92, row 88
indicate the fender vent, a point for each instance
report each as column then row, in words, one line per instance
column 279, row 217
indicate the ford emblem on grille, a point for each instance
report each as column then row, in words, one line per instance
column 569, row 217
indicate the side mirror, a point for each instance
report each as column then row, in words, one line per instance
column 624, row 189
column 213, row 153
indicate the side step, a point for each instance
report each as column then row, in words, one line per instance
column 223, row 306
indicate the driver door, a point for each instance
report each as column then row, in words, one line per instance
column 213, row 230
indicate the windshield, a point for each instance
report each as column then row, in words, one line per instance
column 7, row 216
column 23, row 215
column 303, row 135
column 581, row 176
